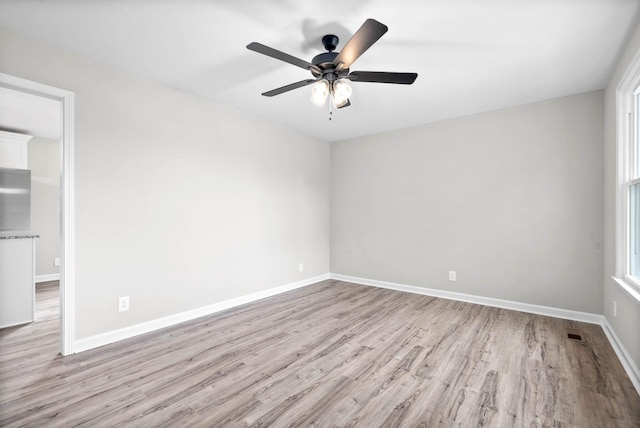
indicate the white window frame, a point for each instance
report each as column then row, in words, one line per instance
column 627, row 127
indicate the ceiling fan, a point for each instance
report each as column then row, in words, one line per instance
column 331, row 69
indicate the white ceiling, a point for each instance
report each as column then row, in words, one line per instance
column 470, row 55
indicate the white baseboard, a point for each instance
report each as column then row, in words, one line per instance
column 149, row 326
column 113, row 336
column 487, row 301
column 45, row 278
column 625, row 359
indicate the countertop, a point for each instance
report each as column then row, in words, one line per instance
column 17, row 235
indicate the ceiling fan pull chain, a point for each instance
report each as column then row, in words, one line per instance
column 330, row 108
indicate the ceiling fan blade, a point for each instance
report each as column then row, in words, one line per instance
column 382, row 77
column 363, row 39
column 274, row 53
column 289, row 87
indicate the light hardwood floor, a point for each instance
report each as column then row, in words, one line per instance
column 331, row 354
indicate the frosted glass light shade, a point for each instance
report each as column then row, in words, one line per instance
column 341, row 92
column 319, row 93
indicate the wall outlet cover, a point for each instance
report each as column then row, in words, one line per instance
column 123, row 304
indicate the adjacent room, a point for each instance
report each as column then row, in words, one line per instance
column 356, row 213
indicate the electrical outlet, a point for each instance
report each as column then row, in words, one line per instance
column 301, row 267
column 452, row 275
column 56, row 261
column 123, row 304
column 615, row 309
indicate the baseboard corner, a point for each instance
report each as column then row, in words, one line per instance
column 106, row 338
column 480, row 300
column 625, row 359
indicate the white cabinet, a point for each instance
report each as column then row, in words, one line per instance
column 13, row 150
column 17, row 286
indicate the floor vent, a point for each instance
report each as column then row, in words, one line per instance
column 574, row 334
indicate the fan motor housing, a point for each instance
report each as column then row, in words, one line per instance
column 324, row 62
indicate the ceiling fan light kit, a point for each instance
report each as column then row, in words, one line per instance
column 319, row 93
column 331, row 69
column 341, row 93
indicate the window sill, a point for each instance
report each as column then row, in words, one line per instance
column 629, row 286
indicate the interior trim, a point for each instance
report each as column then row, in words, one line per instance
column 168, row 321
column 625, row 359
column 469, row 298
column 45, row 278
column 67, row 200
column 125, row 333
column 628, row 288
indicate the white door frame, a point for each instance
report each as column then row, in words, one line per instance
column 67, row 262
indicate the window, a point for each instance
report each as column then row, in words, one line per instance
column 628, row 180
column 632, row 192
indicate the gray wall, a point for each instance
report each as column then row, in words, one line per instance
column 627, row 322
column 180, row 202
column 44, row 163
column 510, row 199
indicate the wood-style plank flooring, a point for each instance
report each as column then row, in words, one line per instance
column 331, row 354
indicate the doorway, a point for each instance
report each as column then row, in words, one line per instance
column 66, row 117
